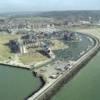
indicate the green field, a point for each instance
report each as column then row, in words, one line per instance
column 94, row 30
column 58, row 45
column 33, row 58
column 5, row 52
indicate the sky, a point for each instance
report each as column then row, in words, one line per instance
column 47, row 5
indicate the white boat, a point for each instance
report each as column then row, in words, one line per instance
column 82, row 52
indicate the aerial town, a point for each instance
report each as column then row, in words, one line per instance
column 53, row 48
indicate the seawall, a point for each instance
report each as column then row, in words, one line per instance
column 53, row 88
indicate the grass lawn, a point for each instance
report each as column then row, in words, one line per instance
column 4, row 49
column 94, row 30
column 32, row 58
column 58, row 45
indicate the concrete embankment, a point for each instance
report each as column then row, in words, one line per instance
column 47, row 91
column 15, row 66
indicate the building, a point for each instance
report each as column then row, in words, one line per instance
column 47, row 50
column 14, row 46
column 17, row 46
column 22, row 44
column 68, row 35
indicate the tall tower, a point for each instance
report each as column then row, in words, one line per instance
column 22, row 47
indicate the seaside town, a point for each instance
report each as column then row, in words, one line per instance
column 52, row 48
column 23, row 24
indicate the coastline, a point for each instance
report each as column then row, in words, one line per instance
column 48, row 92
column 52, row 89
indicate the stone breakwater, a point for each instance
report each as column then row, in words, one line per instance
column 47, row 91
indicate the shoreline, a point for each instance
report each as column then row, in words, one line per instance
column 62, row 79
column 65, row 77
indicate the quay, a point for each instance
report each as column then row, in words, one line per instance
column 51, row 87
column 16, row 65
